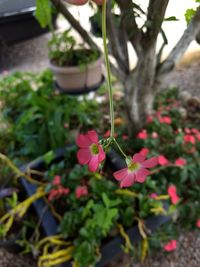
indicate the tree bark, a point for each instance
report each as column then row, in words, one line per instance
column 141, row 83
column 139, row 90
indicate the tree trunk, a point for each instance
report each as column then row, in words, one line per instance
column 139, row 89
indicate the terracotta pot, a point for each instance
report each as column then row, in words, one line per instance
column 76, row 78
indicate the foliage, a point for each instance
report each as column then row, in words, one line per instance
column 43, row 13
column 63, row 51
column 89, row 219
column 37, row 119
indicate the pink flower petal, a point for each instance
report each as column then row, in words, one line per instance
column 83, row 141
column 170, row 246
column 139, row 158
column 93, row 164
column 175, row 199
column 198, row 223
column 141, row 175
column 162, row 160
column 92, row 135
column 83, row 156
column 121, row 174
column 171, row 190
column 144, row 151
column 180, row 162
column 150, row 163
column 128, row 180
column 101, row 155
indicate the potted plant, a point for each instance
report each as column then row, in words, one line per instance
column 76, row 68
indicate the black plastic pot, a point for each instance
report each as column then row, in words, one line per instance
column 17, row 21
column 113, row 247
column 80, row 91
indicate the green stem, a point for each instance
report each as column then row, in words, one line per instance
column 17, row 170
column 108, row 69
column 118, row 146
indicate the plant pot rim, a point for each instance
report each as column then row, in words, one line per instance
column 75, row 69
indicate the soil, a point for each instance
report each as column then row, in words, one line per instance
column 32, row 56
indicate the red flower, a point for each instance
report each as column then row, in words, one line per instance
column 173, row 195
column 188, row 138
column 144, row 151
column 180, row 162
column 56, row 193
column 81, row 191
column 57, row 180
column 149, row 119
column 143, row 134
column 90, row 151
column 198, row 223
column 170, row 246
column 136, row 170
column 165, row 119
column 125, row 137
column 162, row 160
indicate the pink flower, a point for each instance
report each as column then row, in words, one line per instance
column 149, row 119
column 187, row 130
column 180, row 162
column 170, row 246
column 188, row 138
column 143, row 134
column 124, row 137
column 165, row 119
column 195, row 131
column 198, row 136
column 57, row 180
column 136, row 170
column 154, row 135
column 81, row 191
column 90, row 151
column 173, row 195
column 198, row 223
column 153, row 195
column 56, row 193
column 144, row 151
column 162, row 160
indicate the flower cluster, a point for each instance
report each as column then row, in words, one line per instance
column 58, row 189
column 91, row 153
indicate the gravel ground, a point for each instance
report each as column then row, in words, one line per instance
column 12, row 260
column 32, row 56
column 186, row 255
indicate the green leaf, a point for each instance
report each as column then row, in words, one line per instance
column 43, row 13
column 189, row 14
column 172, row 18
column 48, row 157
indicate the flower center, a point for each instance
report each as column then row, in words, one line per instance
column 94, row 149
column 133, row 166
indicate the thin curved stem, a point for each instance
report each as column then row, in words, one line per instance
column 104, row 35
column 118, row 146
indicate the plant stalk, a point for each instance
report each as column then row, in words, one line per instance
column 104, row 35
